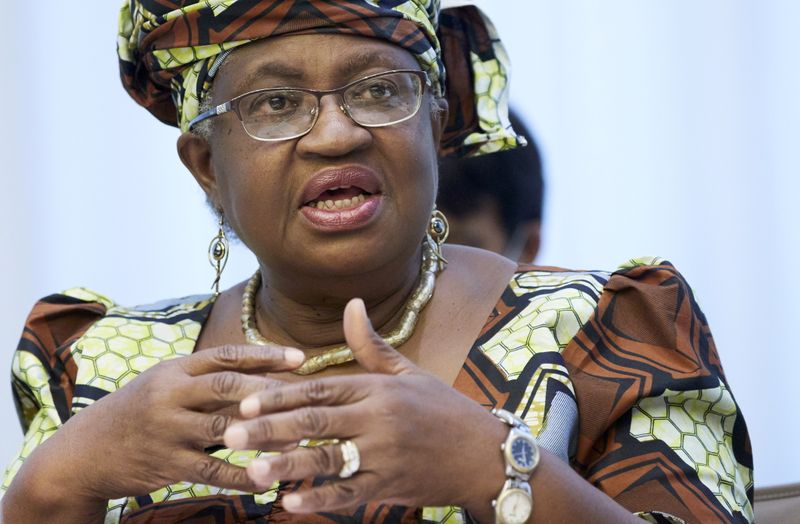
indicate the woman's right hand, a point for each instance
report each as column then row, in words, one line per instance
column 153, row 431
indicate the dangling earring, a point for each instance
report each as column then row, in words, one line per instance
column 218, row 254
column 438, row 230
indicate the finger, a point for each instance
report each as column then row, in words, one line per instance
column 272, row 431
column 316, row 461
column 369, row 349
column 245, row 359
column 201, row 430
column 231, row 410
column 214, row 391
column 204, row 469
column 333, row 495
column 207, row 431
column 315, row 392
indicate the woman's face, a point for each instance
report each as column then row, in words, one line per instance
column 270, row 192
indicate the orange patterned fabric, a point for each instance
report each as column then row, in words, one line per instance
column 53, row 325
column 616, row 373
column 647, row 339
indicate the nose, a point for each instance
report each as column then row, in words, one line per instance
column 335, row 134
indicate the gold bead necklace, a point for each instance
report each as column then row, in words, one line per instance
column 432, row 262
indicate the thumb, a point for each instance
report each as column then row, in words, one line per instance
column 369, row 349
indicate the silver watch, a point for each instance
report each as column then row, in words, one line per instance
column 521, row 453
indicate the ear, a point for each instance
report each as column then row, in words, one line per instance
column 195, row 153
column 440, row 111
column 533, row 239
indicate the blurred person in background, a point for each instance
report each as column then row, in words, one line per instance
column 494, row 202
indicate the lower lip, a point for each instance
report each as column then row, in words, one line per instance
column 343, row 219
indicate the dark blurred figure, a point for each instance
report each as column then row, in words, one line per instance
column 494, row 201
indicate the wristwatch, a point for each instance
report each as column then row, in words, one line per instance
column 521, row 453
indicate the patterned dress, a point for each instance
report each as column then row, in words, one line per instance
column 616, row 373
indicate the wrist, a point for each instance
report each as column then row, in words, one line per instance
column 43, row 493
column 59, row 477
column 487, row 474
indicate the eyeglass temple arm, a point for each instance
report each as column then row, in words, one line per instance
column 214, row 111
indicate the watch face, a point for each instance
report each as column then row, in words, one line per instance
column 515, row 508
column 524, row 453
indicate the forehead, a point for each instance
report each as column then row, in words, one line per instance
column 317, row 61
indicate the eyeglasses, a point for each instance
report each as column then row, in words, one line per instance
column 284, row 113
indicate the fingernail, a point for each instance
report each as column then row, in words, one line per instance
column 359, row 305
column 292, row 501
column 259, row 470
column 294, row 356
column 250, row 407
column 235, row 437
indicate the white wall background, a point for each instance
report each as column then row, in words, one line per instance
column 668, row 127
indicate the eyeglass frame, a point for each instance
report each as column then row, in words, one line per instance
column 232, row 105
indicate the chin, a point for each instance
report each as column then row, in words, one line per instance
column 345, row 256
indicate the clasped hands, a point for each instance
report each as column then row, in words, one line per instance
column 413, row 432
column 421, row 443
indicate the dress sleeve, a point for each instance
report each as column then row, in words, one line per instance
column 44, row 366
column 659, row 430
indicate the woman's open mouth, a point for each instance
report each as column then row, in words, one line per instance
column 341, row 199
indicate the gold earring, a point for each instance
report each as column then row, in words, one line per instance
column 218, row 254
column 438, row 231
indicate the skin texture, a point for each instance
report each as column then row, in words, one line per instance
column 221, row 393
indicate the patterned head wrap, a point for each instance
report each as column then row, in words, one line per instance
column 170, row 50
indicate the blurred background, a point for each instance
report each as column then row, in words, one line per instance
column 666, row 127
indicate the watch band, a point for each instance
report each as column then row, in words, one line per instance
column 509, row 418
column 514, row 503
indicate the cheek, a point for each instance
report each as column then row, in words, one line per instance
column 252, row 188
column 412, row 152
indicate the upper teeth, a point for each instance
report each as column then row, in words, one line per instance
column 339, row 204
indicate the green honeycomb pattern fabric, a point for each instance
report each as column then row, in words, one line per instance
column 699, row 427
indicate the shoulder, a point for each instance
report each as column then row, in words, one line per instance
column 79, row 326
column 543, row 308
column 43, row 368
column 57, row 319
column 62, row 316
column 646, row 273
column 161, row 329
column 58, row 322
column 647, row 337
column 648, row 305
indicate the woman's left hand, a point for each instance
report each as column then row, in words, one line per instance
column 421, row 443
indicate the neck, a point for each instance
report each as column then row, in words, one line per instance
column 306, row 310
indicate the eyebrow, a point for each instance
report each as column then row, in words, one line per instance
column 280, row 70
column 271, row 69
column 361, row 61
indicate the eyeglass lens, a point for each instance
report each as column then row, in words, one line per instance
column 382, row 100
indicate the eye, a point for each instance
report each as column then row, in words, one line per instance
column 277, row 103
column 271, row 102
column 274, row 103
column 378, row 90
column 382, row 90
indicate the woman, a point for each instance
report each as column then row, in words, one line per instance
column 314, row 128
